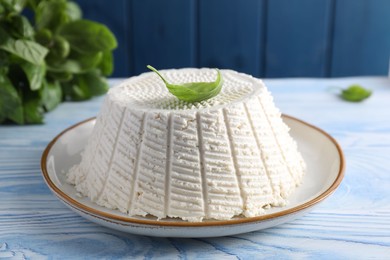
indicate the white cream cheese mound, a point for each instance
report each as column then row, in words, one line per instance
column 150, row 153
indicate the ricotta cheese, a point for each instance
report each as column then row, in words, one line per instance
column 151, row 153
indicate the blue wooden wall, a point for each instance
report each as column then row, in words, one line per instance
column 265, row 38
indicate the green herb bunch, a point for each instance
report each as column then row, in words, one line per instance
column 59, row 56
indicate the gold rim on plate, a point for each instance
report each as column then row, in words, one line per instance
column 129, row 220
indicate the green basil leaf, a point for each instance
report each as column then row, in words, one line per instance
column 33, row 4
column 51, row 14
column 68, row 66
column 194, row 91
column 107, row 63
column 18, row 77
column 73, row 10
column 51, row 94
column 88, row 37
column 44, row 37
column 33, row 111
column 355, row 93
column 34, row 73
column 87, row 61
column 5, row 38
column 59, row 50
column 84, row 86
column 76, row 92
column 21, row 27
column 60, row 76
column 25, row 49
column 92, row 80
column 2, row 13
column 19, row 5
column 78, row 63
column 4, row 61
column 13, row 6
column 80, row 93
column 10, row 102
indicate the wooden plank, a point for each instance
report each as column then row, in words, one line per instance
column 361, row 38
column 163, row 34
column 297, row 38
column 114, row 17
column 230, row 35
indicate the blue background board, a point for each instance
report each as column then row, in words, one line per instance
column 278, row 38
column 231, row 35
column 297, row 40
column 163, row 34
column 361, row 38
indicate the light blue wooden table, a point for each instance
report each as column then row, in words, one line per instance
column 354, row 223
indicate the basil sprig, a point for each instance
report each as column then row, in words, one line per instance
column 193, row 91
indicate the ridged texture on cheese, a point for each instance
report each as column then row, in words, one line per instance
column 151, row 154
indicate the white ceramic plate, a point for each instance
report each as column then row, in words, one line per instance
column 324, row 158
